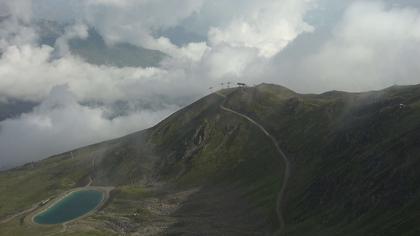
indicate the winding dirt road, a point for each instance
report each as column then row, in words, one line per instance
column 287, row 171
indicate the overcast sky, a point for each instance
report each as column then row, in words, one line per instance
column 306, row 45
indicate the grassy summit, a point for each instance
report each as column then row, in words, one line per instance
column 354, row 156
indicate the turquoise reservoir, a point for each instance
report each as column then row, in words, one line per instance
column 71, row 207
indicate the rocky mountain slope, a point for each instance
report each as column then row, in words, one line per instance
column 205, row 171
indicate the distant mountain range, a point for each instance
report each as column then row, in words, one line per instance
column 13, row 108
column 94, row 50
column 211, row 169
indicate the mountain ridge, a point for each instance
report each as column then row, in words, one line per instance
column 218, row 173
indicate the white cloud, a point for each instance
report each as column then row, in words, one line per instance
column 224, row 62
column 136, row 22
column 29, row 73
column 18, row 9
column 15, row 28
column 228, row 54
column 268, row 26
column 60, row 123
column 251, row 36
column 76, row 31
column 374, row 44
column 372, row 47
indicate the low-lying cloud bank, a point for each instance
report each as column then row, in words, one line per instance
column 307, row 45
column 60, row 123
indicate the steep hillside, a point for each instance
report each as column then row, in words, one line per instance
column 353, row 157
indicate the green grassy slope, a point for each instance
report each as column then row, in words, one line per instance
column 354, row 159
column 233, row 160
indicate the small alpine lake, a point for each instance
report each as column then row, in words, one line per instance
column 70, row 207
